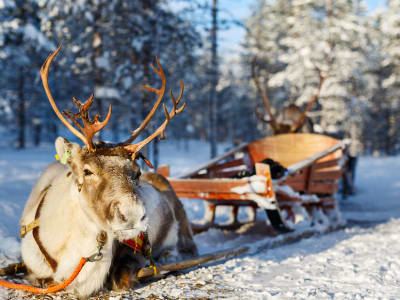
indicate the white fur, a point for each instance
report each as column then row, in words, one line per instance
column 69, row 225
column 156, row 209
column 68, row 235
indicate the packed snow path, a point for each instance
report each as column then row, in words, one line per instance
column 359, row 262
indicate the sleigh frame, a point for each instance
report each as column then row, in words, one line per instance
column 314, row 165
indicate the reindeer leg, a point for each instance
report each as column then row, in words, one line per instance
column 124, row 268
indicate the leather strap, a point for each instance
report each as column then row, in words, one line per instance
column 34, row 226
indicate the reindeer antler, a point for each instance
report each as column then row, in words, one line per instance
column 135, row 148
column 90, row 127
column 160, row 92
column 264, row 97
column 310, row 103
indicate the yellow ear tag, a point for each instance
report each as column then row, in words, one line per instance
column 64, row 157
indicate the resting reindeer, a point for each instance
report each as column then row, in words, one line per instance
column 292, row 119
column 96, row 201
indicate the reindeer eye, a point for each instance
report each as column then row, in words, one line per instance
column 87, row 172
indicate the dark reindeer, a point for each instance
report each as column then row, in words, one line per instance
column 291, row 119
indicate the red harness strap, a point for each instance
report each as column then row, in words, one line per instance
column 136, row 243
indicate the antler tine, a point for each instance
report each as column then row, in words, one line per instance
column 160, row 92
column 264, row 97
column 44, row 74
column 176, row 101
column 89, row 127
column 135, row 148
column 310, row 102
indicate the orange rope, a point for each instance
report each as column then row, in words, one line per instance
column 51, row 289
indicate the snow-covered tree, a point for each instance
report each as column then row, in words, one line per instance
column 387, row 105
column 110, row 45
column 22, row 49
column 267, row 29
column 303, row 37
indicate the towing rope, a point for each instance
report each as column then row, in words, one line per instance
column 50, row 289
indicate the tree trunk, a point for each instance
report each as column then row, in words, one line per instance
column 21, row 110
column 97, row 45
column 37, row 129
column 214, row 82
column 147, row 97
column 156, row 153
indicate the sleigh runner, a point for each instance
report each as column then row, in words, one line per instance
column 314, row 165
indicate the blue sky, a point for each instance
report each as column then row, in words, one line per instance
column 240, row 9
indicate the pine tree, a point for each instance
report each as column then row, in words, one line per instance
column 303, row 37
column 22, row 48
column 389, row 104
column 111, row 45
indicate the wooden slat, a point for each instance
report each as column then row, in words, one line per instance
column 221, row 190
column 327, row 164
column 226, row 165
column 206, row 185
column 214, row 161
column 227, row 174
column 328, row 200
column 298, row 186
column 326, row 175
column 201, row 176
column 224, row 197
column 285, row 197
column 301, row 176
column 323, row 187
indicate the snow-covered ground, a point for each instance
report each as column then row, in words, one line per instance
column 359, row 262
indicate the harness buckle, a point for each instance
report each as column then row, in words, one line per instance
column 97, row 256
column 23, row 231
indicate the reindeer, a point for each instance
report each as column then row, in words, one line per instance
column 292, row 119
column 97, row 198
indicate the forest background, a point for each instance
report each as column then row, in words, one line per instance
column 110, row 44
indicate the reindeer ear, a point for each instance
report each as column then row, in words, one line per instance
column 65, row 149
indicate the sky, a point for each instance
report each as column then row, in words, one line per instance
column 240, row 9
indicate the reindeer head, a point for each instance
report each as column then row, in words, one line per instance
column 106, row 177
column 107, row 188
column 292, row 118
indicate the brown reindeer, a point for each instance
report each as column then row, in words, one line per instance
column 292, row 119
column 97, row 201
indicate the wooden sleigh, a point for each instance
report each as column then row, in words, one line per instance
column 314, row 165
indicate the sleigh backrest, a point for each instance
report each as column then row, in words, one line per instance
column 288, row 149
column 319, row 177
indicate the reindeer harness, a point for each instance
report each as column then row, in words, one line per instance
column 139, row 244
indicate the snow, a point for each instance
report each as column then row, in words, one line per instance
column 32, row 33
column 360, row 261
column 106, row 92
column 285, row 189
